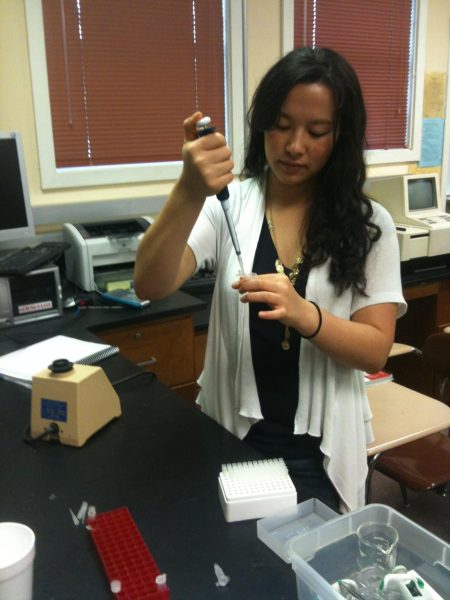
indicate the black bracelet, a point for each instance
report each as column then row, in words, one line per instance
column 319, row 326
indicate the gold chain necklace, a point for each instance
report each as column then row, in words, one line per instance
column 279, row 267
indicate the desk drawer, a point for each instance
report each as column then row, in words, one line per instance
column 167, row 346
column 443, row 305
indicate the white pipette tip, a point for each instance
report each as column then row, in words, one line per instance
column 241, row 264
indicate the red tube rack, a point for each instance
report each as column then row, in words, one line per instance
column 125, row 556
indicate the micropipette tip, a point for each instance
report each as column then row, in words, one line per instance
column 241, row 264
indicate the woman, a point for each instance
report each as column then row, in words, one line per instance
column 287, row 349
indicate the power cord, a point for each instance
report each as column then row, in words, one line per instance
column 133, row 376
column 52, row 430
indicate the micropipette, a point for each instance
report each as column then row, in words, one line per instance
column 204, row 126
column 409, row 586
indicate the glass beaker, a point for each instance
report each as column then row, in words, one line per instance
column 377, row 543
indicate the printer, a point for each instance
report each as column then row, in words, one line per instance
column 101, row 256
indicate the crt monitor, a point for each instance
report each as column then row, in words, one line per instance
column 409, row 198
column 422, row 193
column 16, row 218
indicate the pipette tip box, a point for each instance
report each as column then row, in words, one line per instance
column 255, row 489
column 128, row 563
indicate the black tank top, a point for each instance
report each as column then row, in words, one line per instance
column 276, row 370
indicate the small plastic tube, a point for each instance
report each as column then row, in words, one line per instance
column 222, row 579
column 161, row 581
column 81, row 515
column 244, row 275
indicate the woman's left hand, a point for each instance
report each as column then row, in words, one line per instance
column 361, row 342
column 284, row 303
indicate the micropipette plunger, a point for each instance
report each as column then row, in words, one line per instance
column 204, row 126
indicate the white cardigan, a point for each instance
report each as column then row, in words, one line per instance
column 332, row 398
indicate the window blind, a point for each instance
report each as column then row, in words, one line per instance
column 123, row 75
column 375, row 37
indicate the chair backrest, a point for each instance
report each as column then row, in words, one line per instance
column 436, row 355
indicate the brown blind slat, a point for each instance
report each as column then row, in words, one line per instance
column 375, row 39
column 124, row 75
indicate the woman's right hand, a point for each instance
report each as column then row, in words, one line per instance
column 207, row 162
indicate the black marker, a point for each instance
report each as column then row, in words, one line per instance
column 204, row 127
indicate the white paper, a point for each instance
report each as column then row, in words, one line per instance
column 21, row 365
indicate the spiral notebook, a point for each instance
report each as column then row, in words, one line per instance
column 20, row 366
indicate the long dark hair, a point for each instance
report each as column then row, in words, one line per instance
column 339, row 220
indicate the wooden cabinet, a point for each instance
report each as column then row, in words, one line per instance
column 166, row 347
column 443, row 305
column 200, row 350
column 428, row 312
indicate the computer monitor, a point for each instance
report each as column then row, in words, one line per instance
column 16, row 218
column 411, row 199
column 422, row 193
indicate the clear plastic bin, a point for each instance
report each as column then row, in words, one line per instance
column 277, row 530
column 329, row 552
